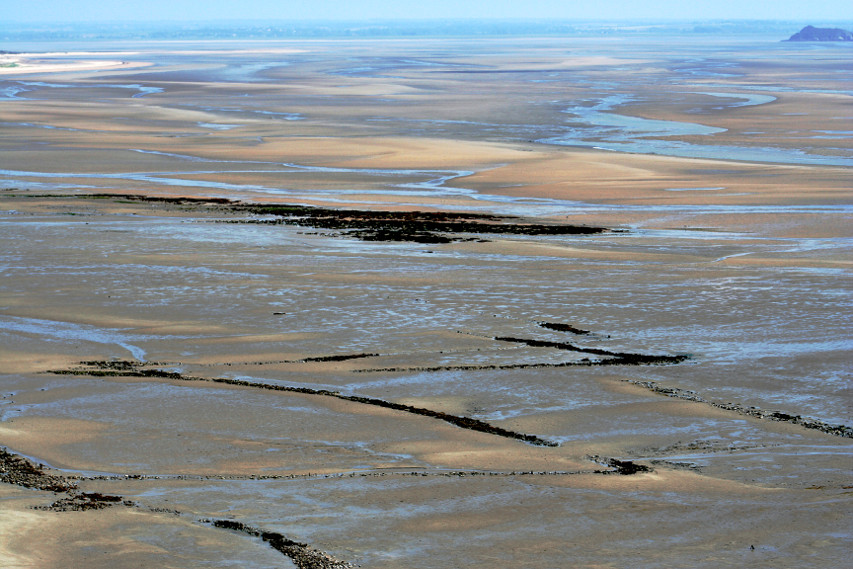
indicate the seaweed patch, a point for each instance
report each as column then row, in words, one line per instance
column 431, row 227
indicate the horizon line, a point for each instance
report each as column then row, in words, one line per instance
column 386, row 20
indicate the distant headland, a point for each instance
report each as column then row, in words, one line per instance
column 811, row 33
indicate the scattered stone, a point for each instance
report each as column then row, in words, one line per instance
column 86, row 501
column 15, row 469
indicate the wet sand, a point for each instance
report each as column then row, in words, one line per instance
column 671, row 391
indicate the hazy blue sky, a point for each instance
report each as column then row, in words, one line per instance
column 807, row 11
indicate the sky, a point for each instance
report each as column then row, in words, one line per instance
column 807, row 11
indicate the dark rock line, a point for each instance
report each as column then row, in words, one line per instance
column 806, row 422
column 19, row 471
column 335, row 475
column 612, row 358
column 563, row 328
column 122, row 365
column 303, row 555
column 128, row 368
column 339, row 358
column 315, row 359
column 120, row 368
column 131, row 369
column 623, row 467
column 484, row 367
column 621, row 358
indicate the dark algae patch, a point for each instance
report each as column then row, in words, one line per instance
column 417, row 226
column 366, row 225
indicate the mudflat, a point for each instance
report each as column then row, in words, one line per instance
column 442, row 303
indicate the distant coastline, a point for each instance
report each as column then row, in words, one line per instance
column 11, row 31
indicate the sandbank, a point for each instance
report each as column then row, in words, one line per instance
column 33, row 63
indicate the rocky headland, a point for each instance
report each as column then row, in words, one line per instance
column 811, row 33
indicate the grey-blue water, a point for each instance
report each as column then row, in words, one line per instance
column 600, row 126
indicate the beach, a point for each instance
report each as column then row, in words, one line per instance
column 616, row 333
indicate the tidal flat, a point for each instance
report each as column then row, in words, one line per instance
column 436, row 303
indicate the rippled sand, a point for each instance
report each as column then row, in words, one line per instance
column 743, row 266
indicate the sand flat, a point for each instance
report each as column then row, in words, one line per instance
column 206, row 363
